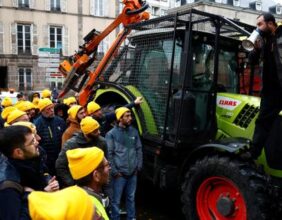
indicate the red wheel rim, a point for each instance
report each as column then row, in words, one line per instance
column 212, row 192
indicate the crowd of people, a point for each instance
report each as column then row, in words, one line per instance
column 67, row 161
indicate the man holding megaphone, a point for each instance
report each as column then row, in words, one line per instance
column 265, row 43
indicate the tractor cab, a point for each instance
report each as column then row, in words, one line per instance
column 178, row 63
column 198, row 114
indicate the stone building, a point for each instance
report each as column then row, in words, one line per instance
column 245, row 11
column 36, row 35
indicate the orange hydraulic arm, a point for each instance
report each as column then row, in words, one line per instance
column 132, row 12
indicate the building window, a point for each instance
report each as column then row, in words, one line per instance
column 103, row 46
column 1, row 38
column 278, row 9
column 258, row 6
column 155, row 11
column 25, row 79
column 55, row 5
column 24, row 38
column 23, row 3
column 163, row 12
column 99, row 7
column 56, row 37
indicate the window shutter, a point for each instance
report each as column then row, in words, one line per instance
column 96, row 7
column 106, row 8
column 101, row 8
column 47, row 5
column 31, row 4
column 64, row 5
column 1, row 38
column 92, row 9
column 15, row 3
column 34, row 37
column 66, row 41
column 14, row 48
column 46, row 35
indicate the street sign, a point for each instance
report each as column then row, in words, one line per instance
column 50, row 50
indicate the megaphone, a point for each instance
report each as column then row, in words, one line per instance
column 255, row 38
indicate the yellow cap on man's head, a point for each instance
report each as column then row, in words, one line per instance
column 88, row 125
column 7, row 101
column 92, row 107
column 83, row 161
column 72, row 112
column 68, row 204
column 46, row 93
column 43, row 103
column 120, row 111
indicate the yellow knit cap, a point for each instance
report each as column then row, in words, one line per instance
column 68, row 204
column 14, row 115
column 120, row 111
column 6, row 111
column 73, row 111
column 7, row 101
column 92, row 107
column 88, row 125
column 65, row 101
column 35, row 101
column 43, row 103
column 27, row 124
column 83, row 161
column 25, row 106
column 46, row 93
column 70, row 100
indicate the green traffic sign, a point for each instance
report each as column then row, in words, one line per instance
column 50, row 50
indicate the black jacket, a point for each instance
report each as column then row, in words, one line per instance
column 50, row 130
column 77, row 141
column 11, row 191
column 271, row 55
column 14, row 175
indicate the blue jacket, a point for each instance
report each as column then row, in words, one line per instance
column 50, row 130
column 14, row 174
column 124, row 150
column 8, row 171
column 11, row 197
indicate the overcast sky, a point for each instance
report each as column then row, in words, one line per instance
column 265, row 3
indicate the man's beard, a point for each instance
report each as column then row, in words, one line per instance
column 265, row 33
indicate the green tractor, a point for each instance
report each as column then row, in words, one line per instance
column 194, row 121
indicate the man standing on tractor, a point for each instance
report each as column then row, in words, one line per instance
column 271, row 94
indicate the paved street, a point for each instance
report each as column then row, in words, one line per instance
column 153, row 204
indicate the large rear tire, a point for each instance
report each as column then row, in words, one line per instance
column 222, row 188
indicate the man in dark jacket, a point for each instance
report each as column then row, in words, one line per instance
column 271, row 94
column 90, row 136
column 126, row 159
column 106, row 119
column 21, row 169
column 50, row 128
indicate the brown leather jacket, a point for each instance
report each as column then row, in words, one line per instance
column 73, row 127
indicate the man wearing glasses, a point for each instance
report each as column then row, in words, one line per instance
column 21, row 170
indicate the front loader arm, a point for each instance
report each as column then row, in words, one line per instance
column 74, row 69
